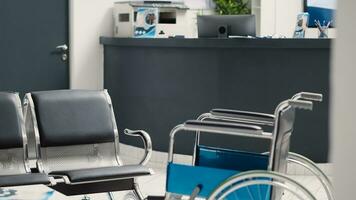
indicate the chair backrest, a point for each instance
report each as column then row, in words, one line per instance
column 13, row 158
column 72, row 129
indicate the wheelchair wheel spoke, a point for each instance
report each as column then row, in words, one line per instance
column 236, row 197
column 259, row 192
column 249, row 193
column 267, row 195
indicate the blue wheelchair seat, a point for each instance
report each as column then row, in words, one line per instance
column 212, row 167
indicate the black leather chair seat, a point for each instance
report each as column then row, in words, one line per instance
column 24, row 179
column 104, row 173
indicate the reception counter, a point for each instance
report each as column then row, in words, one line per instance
column 156, row 84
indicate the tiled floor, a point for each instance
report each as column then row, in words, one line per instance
column 153, row 185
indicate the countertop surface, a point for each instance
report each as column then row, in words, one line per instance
column 218, row 43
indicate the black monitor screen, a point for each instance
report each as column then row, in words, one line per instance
column 209, row 26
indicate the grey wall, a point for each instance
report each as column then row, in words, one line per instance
column 343, row 113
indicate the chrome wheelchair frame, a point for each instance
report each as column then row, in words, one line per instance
column 279, row 153
column 264, row 119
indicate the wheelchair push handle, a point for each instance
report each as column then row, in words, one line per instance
column 308, row 96
column 301, row 104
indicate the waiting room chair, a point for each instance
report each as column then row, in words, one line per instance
column 14, row 163
column 76, row 141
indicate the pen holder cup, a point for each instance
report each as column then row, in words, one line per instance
column 323, row 32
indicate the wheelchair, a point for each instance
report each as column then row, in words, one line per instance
column 219, row 173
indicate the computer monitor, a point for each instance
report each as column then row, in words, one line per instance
column 213, row 26
column 322, row 10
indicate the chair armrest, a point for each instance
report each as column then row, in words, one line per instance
column 213, row 127
column 244, row 116
column 146, row 142
column 225, row 128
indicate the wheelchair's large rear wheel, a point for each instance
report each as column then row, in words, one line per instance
column 278, row 183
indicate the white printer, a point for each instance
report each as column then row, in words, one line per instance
column 152, row 19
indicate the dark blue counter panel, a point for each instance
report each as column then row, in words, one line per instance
column 156, row 84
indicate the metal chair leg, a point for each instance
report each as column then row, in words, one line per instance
column 85, row 197
column 138, row 192
column 111, row 196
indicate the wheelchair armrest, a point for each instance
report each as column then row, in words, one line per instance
column 244, row 116
column 225, row 128
column 146, row 142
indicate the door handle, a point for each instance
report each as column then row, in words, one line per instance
column 63, row 47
